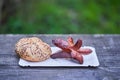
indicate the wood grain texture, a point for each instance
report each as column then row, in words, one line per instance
column 107, row 49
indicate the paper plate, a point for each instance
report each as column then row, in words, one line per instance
column 90, row 60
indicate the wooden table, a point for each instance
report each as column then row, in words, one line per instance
column 107, row 48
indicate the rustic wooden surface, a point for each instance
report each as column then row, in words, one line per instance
column 107, row 48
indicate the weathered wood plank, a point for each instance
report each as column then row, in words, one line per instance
column 59, row 73
column 107, row 48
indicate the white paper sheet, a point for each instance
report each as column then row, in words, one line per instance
column 89, row 60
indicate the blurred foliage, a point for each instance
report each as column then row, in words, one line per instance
column 65, row 16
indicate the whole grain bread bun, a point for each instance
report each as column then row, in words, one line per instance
column 33, row 49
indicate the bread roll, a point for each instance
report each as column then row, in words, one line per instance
column 33, row 49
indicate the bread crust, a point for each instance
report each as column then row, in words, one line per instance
column 33, row 49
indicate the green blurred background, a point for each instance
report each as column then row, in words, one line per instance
column 60, row 16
